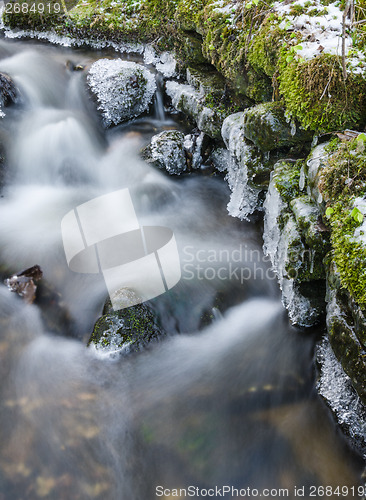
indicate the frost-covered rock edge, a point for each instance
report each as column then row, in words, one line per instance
column 335, row 387
column 164, row 61
column 123, row 89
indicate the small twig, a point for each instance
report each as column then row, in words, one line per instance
column 327, row 85
column 344, row 42
column 249, row 33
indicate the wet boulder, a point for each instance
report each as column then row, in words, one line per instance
column 24, row 283
column 249, row 157
column 268, row 128
column 166, row 151
column 296, row 241
column 9, row 94
column 31, row 287
column 309, row 220
column 127, row 330
column 123, row 89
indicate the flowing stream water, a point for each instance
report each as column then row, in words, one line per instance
column 225, row 402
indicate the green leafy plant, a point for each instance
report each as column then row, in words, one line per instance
column 328, row 213
column 250, row 4
column 357, row 215
column 292, row 52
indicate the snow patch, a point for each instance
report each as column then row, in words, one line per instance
column 320, row 33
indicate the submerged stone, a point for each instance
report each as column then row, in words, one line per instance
column 24, row 283
column 123, row 89
column 166, row 151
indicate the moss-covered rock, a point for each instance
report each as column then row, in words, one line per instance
column 267, row 127
column 309, row 220
column 127, row 330
column 341, row 182
column 191, row 49
column 190, row 101
column 286, row 179
column 296, row 243
column 336, row 184
column 346, row 324
column 309, row 223
column 206, row 80
column 316, row 94
column 187, row 15
column 263, row 51
column 249, row 157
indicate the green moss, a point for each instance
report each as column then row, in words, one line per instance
column 263, row 52
column 286, row 178
column 297, row 10
column 345, row 174
column 309, row 221
column 315, row 93
column 135, row 326
column 348, row 254
column 267, row 127
column 341, row 180
column 332, row 145
column 255, row 85
column 225, row 45
column 225, row 105
column 190, row 49
column 306, row 243
column 32, row 20
column 188, row 13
